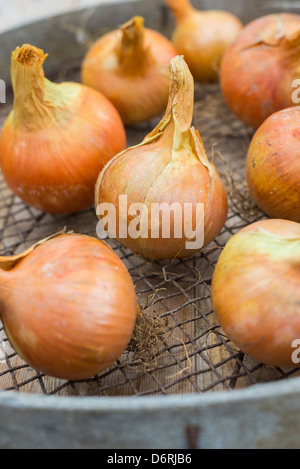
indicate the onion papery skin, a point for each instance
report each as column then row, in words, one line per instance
column 169, row 166
column 256, row 291
column 129, row 67
column 56, row 139
column 68, row 306
column 202, row 37
column 273, row 165
column 259, row 68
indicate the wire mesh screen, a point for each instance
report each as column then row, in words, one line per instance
column 190, row 354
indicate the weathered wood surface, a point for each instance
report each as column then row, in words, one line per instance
column 264, row 416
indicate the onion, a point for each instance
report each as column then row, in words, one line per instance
column 273, row 165
column 129, row 66
column 256, row 291
column 68, row 306
column 169, row 167
column 57, row 138
column 202, row 37
column 259, row 69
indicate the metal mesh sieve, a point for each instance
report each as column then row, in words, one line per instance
column 193, row 355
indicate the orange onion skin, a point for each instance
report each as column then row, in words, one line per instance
column 139, row 91
column 136, row 174
column 259, row 68
column 54, row 171
column 256, row 291
column 273, row 165
column 202, row 37
column 162, row 49
column 169, row 167
column 57, row 137
column 69, row 307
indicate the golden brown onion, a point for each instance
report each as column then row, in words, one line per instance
column 259, row 69
column 68, row 306
column 129, row 66
column 202, row 37
column 256, row 291
column 57, row 138
column 169, row 167
column 273, row 165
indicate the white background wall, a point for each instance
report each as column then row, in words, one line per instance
column 15, row 13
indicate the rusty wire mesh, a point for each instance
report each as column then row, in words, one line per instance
column 193, row 354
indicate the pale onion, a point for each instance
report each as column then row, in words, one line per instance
column 169, row 166
column 57, row 137
column 259, row 70
column 203, row 37
column 256, row 291
column 68, row 306
column 129, row 66
column 273, row 165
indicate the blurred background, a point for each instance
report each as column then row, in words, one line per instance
column 17, row 13
column 53, row 25
column 20, row 12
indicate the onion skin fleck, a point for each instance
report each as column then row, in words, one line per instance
column 273, row 165
column 202, row 37
column 259, row 68
column 129, row 67
column 256, row 291
column 56, row 139
column 68, row 306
